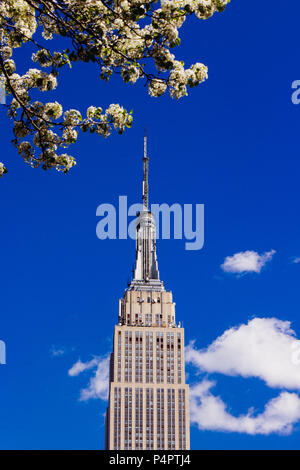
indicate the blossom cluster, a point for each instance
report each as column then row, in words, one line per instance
column 132, row 38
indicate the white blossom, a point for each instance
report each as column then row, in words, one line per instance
column 119, row 115
column 20, row 130
column 3, row 170
column 70, row 135
column 132, row 39
column 6, row 52
column 25, row 149
column 72, row 117
column 10, row 66
column 53, row 110
column 91, row 111
column 157, row 87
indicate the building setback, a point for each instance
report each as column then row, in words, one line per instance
column 148, row 397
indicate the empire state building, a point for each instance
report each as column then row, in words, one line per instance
column 148, row 397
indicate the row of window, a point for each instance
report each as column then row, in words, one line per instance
column 149, row 419
column 148, row 351
column 171, row 419
column 128, row 356
column 165, row 402
column 149, row 357
column 182, row 419
column 128, row 419
column 170, row 358
column 149, row 320
column 160, row 418
column 139, row 419
column 138, row 357
column 117, row 418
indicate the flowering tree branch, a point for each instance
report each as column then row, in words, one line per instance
column 132, row 38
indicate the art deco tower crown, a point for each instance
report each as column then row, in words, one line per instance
column 146, row 274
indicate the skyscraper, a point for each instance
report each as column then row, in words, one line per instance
column 148, row 397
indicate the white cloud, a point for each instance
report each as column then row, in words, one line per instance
column 247, row 261
column 265, row 348
column 99, row 383
column 209, row 412
column 79, row 366
column 57, row 351
column 296, row 260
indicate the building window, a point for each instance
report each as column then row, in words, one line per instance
column 128, row 419
column 149, row 357
column 179, row 361
column 117, row 418
column 149, row 419
column 171, row 418
column 181, row 419
column 139, row 419
column 119, row 358
column 160, row 400
column 159, row 357
column 170, row 358
column 139, row 356
column 128, row 356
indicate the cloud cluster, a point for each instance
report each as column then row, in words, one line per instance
column 265, row 348
column 99, row 383
column 209, row 412
column 246, row 262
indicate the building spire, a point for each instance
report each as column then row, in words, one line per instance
column 146, row 274
column 145, row 180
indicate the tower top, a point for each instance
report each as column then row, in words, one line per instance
column 146, row 274
column 145, row 180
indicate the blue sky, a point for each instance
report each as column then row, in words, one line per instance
column 232, row 145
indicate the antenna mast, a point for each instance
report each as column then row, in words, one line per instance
column 145, row 181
